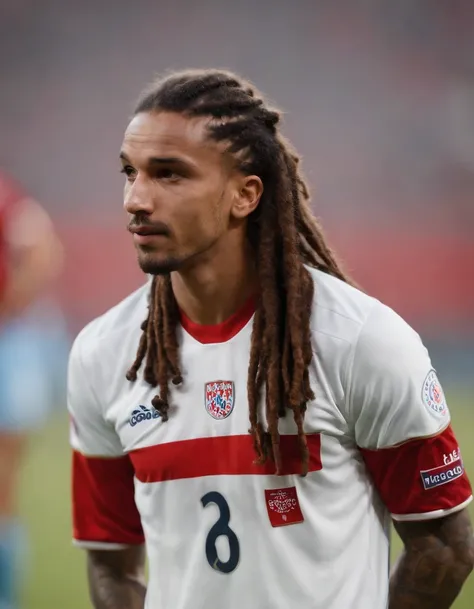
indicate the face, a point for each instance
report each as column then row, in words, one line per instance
column 182, row 192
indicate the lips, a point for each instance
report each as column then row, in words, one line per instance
column 147, row 230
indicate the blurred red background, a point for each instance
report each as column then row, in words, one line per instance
column 426, row 276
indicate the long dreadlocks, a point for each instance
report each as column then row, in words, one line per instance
column 285, row 237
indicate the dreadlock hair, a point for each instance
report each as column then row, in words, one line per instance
column 284, row 235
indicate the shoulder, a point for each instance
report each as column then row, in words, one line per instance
column 359, row 341
column 99, row 358
column 115, row 331
column 348, row 313
column 339, row 309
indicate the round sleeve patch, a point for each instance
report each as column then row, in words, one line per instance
column 433, row 395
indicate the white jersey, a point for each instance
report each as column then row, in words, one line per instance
column 221, row 531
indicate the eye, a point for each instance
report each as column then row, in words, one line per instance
column 170, row 175
column 128, row 171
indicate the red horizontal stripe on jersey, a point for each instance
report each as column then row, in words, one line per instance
column 398, row 475
column 103, row 500
column 218, row 456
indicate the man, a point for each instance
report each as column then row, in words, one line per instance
column 30, row 259
column 251, row 323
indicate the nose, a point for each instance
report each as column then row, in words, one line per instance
column 138, row 196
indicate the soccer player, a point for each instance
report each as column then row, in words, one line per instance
column 30, row 259
column 275, row 418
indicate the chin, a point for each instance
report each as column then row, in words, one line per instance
column 152, row 266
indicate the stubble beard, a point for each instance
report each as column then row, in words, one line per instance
column 158, row 267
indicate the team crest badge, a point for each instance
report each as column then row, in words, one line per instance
column 220, row 399
column 433, row 395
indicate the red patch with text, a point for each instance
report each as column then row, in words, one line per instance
column 283, row 506
column 451, row 469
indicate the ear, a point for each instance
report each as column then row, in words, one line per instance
column 247, row 196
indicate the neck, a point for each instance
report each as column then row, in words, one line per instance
column 214, row 289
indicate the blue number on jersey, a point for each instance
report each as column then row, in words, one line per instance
column 221, row 529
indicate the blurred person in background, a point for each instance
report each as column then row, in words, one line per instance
column 31, row 339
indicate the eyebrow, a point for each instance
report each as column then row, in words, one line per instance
column 156, row 160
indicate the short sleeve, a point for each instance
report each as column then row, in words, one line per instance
column 401, row 421
column 104, row 510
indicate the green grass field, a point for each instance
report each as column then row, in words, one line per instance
column 56, row 574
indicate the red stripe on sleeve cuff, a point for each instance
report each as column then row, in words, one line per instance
column 420, row 476
column 103, row 501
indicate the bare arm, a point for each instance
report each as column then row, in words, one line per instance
column 438, row 558
column 117, row 578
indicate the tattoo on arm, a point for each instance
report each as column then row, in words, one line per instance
column 438, row 558
column 116, row 578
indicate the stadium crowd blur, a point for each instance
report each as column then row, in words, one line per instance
column 379, row 99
